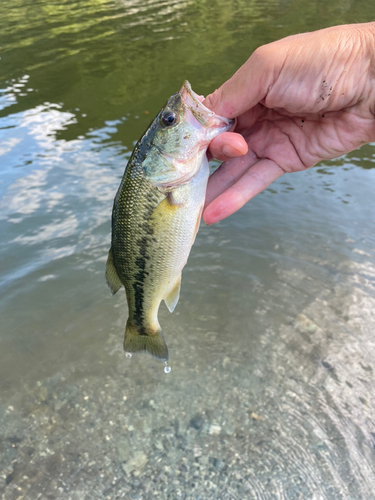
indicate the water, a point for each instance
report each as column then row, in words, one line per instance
column 272, row 390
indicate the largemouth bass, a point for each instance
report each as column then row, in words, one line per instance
column 156, row 214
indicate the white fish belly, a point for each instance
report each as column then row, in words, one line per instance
column 175, row 242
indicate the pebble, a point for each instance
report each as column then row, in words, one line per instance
column 138, row 461
column 305, row 325
column 197, row 422
column 214, row 429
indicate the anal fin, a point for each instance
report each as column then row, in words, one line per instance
column 113, row 281
column 172, row 298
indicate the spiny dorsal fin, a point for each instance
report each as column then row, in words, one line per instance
column 172, row 298
column 113, row 281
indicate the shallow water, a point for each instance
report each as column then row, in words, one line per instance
column 271, row 393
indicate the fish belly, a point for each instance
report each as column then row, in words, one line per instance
column 175, row 223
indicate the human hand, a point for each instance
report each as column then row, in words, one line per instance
column 299, row 100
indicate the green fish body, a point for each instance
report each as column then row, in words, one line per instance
column 156, row 215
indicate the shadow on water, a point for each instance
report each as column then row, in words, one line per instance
column 271, row 391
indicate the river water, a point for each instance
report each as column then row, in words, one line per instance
column 271, row 393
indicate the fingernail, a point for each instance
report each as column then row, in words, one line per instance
column 230, row 152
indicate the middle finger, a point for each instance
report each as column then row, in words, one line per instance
column 228, row 173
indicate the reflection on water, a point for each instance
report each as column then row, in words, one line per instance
column 271, row 390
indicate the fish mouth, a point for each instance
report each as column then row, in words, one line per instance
column 204, row 115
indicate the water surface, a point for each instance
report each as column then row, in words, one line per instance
column 271, row 393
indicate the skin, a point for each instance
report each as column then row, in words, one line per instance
column 297, row 101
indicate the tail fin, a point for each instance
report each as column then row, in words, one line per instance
column 151, row 342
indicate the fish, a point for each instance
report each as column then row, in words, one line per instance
column 156, row 214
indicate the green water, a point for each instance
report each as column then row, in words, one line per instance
column 271, row 394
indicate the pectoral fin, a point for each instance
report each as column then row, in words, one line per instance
column 172, row 298
column 164, row 213
column 113, row 281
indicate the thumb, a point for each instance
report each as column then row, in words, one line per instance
column 247, row 87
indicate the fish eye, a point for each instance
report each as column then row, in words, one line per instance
column 169, row 119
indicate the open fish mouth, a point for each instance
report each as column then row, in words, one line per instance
column 204, row 115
